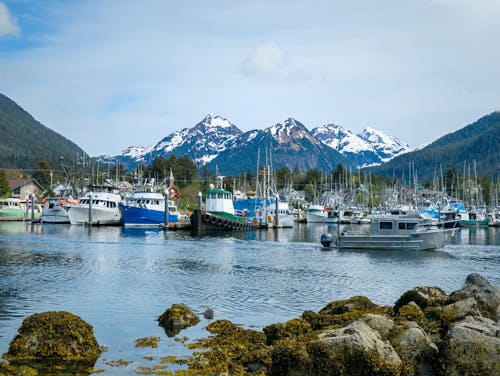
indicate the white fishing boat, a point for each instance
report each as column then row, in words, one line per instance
column 405, row 232
column 285, row 216
column 55, row 210
column 316, row 214
column 97, row 208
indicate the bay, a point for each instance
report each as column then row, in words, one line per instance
column 121, row 279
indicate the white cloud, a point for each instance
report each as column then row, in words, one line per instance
column 266, row 59
column 8, row 24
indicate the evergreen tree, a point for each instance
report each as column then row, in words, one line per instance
column 4, row 185
column 42, row 173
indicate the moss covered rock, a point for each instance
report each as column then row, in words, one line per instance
column 423, row 296
column 59, row 340
column 472, row 347
column 231, row 350
column 356, row 349
column 293, row 329
column 176, row 318
column 486, row 295
column 290, row 358
column 343, row 312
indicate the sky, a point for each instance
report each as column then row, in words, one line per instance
column 111, row 74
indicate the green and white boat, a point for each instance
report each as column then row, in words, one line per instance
column 12, row 208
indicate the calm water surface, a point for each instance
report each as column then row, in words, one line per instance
column 120, row 280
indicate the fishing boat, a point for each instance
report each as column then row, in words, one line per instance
column 55, row 210
column 12, row 209
column 97, row 208
column 219, row 213
column 405, row 232
column 316, row 213
column 148, row 209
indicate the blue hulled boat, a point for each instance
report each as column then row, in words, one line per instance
column 148, row 209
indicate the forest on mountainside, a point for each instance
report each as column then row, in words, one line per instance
column 24, row 140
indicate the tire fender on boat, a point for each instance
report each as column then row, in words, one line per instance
column 206, row 217
column 219, row 221
column 213, row 219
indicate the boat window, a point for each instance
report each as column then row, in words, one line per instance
column 402, row 226
column 385, row 225
column 411, row 226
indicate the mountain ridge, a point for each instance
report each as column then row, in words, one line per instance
column 24, row 140
column 478, row 141
column 214, row 139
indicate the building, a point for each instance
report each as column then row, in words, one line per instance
column 24, row 188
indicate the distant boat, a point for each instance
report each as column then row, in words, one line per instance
column 148, row 209
column 12, row 208
column 55, row 210
column 405, row 232
column 97, row 208
column 316, row 214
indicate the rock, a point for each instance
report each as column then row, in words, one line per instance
column 356, row 303
column 355, row 349
column 294, row 329
column 423, row 296
column 176, row 318
column 472, row 347
column 343, row 312
column 208, row 314
column 380, row 323
column 411, row 312
column 290, row 358
column 54, row 339
column 462, row 308
column 416, row 349
column 486, row 295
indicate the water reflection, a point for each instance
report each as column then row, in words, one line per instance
column 121, row 279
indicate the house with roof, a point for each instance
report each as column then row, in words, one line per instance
column 24, row 188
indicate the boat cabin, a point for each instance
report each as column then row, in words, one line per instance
column 396, row 225
column 218, row 199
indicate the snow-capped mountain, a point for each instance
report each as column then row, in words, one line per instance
column 387, row 147
column 290, row 144
column 215, row 141
column 370, row 147
column 204, row 142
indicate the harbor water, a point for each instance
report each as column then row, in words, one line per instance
column 120, row 280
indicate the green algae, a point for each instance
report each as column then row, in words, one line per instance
column 147, row 342
column 118, row 363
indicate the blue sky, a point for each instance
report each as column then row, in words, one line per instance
column 110, row 74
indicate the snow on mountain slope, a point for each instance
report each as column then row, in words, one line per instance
column 214, row 135
column 386, row 146
column 290, row 130
column 341, row 139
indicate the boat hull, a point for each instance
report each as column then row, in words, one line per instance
column 141, row 217
column 417, row 241
column 201, row 222
column 79, row 215
column 315, row 218
column 55, row 218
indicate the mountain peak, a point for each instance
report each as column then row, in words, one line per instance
column 213, row 120
column 290, row 130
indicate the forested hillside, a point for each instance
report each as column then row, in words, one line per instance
column 477, row 143
column 24, row 140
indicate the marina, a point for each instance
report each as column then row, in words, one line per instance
column 119, row 279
